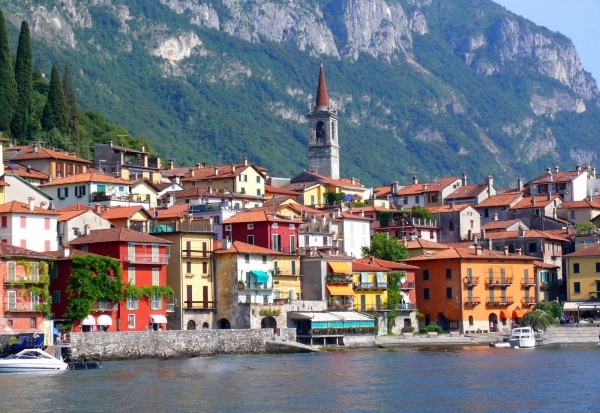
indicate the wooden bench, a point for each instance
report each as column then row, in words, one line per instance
column 432, row 334
column 454, row 334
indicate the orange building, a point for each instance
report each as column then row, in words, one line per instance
column 473, row 290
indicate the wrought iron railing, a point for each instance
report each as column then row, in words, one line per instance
column 472, row 301
column 471, row 281
column 409, row 285
column 336, row 278
column 499, row 301
column 499, row 281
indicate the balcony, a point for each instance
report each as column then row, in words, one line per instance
column 338, row 278
column 170, row 307
column 528, row 282
column 471, row 281
column 369, row 307
column 198, row 225
column 105, row 306
column 102, row 197
column 254, row 285
column 314, row 229
column 196, row 254
column 286, row 271
column 594, row 295
column 26, row 307
column 22, row 279
column 499, row 301
column 371, row 286
column 406, row 307
column 409, row 285
column 286, row 250
column 548, row 285
column 528, row 301
column 199, row 305
column 339, row 306
column 499, row 282
column 146, row 258
column 472, row 301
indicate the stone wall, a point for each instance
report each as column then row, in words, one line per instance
column 399, row 322
column 172, row 343
column 572, row 333
column 4, row 345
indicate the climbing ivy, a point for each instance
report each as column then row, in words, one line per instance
column 394, row 297
column 148, row 291
column 92, row 278
column 41, row 287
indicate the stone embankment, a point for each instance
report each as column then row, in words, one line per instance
column 572, row 333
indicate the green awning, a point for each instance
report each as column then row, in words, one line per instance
column 261, row 276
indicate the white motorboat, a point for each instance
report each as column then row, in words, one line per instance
column 33, row 359
column 522, row 337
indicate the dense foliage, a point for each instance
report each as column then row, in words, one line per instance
column 538, row 320
column 552, row 308
column 24, row 79
column 385, row 248
column 8, row 85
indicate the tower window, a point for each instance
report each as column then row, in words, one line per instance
column 320, row 131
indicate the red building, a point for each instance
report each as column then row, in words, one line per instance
column 264, row 229
column 144, row 260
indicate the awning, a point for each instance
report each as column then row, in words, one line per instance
column 380, row 278
column 340, row 267
column 88, row 321
column 158, row 319
column 503, row 315
column 580, row 305
column 104, row 320
column 261, row 276
column 518, row 313
column 340, row 290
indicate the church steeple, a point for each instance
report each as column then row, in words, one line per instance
column 323, row 146
column 322, row 96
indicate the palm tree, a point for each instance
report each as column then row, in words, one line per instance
column 538, row 320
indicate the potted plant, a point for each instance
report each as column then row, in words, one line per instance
column 241, row 285
column 408, row 331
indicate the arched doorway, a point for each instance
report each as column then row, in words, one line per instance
column 205, row 325
column 223, row 324
column 191, row 325
column 269, row 322
column 493, row 318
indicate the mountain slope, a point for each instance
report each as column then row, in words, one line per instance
column 427, row 87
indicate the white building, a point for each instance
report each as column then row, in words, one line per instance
column 570, row 185
column 20, row 190
column 28, row 226
column 72, row 223
column 355, row 232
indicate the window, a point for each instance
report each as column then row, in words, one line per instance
column 247, row 258
column 63, row 193
column 54, row 272
column 274, row 225
column 250, row 226
column 264, row 259
column 32, row 322
column 451, row 226
column 155, row 276
column 448, row 273
column 576, row 287
column 204, row 268
column 432, row 198
column 23, row 221
column 472, row 224
column 598, row 267
column 131, row 321
column 426, row 293
column 243, row 178
column 188, row 267
column 486, row 213
column 511, row 247
column 496, row 247
column 47, row 246
column 131, row 275
column 425, row 274
column 80, row 191
column 571, row 214
column 471, row 320
column 131, row 252
column 575, row 268
column 46, row 223
column 448, row 292
column 132, row 303
column 56, row 297
column 155, row 256
column 258, row 179
column 417, row 199
column 4, row 222
column 121, row 189
column 156, row 302
column 532, row 247
column 292, row 226
column 431, row 235
column 312, row 199
column 405, row 200
column 258, row 192
column 251, row 239
column 23, row 243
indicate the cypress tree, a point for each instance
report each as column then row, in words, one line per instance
column 56, row 111
column 24, row 79
column 8, row 86
column 71, row 100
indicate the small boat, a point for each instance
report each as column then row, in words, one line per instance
column 522, row 337
column 33, row 359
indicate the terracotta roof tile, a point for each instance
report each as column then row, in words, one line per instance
column 75, row 207
column 223, row 171
column 20, row 170
column 118, row 212
column 58, row 255
column 528, row 233
column 17, row 207
column 377, row 263
column 445, row 209
column 426, row 187
column 176, row 211
column 586, row 203
column 426, row 244
column 534, row 202
column 566, row 176
column 500, row 224
column 240, row 247
column 466, row 253
column 322, row 97
column 500, row 200
column 88, row 177
column 67, row 215
column 591, row 251
column 467, row 191
column 7, row 250
column 117, row 235
column 282, row 191
column 259, row 216
column 360, row 266
column 382, row 191
column 347, row 215
column 45, row 153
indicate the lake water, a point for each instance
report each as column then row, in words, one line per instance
column 561, row 378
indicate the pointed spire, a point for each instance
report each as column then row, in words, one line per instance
column 322, row 97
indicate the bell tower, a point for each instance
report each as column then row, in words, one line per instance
column 323, row 146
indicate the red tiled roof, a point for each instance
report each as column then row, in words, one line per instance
column 382, row 191
column 528, row 233
column 240, row 247
column 466, row 253
column 75, row 207
column 426, row 244
column 445, row 209
column 591, row 251
column 282, row 191
column 467, row 191
column 67, row 215
column 7, row 250
column 540, row 264
column 540, row 202
column 88, row 177
column 176, row 211
column 500, row 200
column 45, row 153
column 322, row 97
column 119, row 212
column 378, row 263
column 223, row 171
column 566, row 176
column 358, row 210
column 499, row 224
column 360, row 266
column 586, row 203
column 20, row 170
column 58, row 255
column 117, row 235
column 17, row 207
column 259, row 216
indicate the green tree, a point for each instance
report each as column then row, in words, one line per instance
column 54, row 139
column 8, row 85
column 421, row 213
column 553, row 308
column 56, row 111
column 24, row 79
column 538, row 320
column 585, row 226
column 71, row 100
column 385, row 248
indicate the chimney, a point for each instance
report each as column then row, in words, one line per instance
column 556, row 169
column 35, row 148
column 143, row 148
column 191, row 173
column 198, row 165
column 394, row 188
column 470, row 235
column 353, row 181
column 490, row 183
column 483, row 234
column 232, row 168
column 28, row 168
column 362, row 213
column 170, row 165
column 549, row 171
column 371, row 260
column 415, row 180
column 478, row 250
column 464, row 179
column 518, row 251
column 521, row 231
column 519, row 184
column 533, row 200
column 593, row 173
column 86, row 229
column 216, row 171
column 98, row 209
column 30, row 200
column 489, row 244
column 245, row 161
column 495, row 217
column 506, row 250
column 578, row 169
column 110, row 143
column 66, row 251
column 475, row 240
column 226, row 244
column 549, row 196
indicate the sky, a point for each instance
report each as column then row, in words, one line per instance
column 576, row 19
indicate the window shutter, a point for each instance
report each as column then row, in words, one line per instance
column 155, row 276
column 131, row 275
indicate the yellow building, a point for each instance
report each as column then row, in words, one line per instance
column 583, row 274
column 314, row 188
column 190, row 273
column 145, row 189
column 286, row 278
column 132, row 217
column 370, row 285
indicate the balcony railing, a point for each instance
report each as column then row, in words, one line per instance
column 25, row 307
column 528, row 301
column 409, row 285
column 594, row 295
column 406, row 306
column 528, row 282
column 199, row 305
column 101, row 197
column 338, row 278
column 473, row 301
column 196, row 254
column 105, row 306
column 499, row 301
column 502, row 281
column 17, row 279
column 314, row 229
column 139, row 258
column 471, row 281
column 369, row 307
column 339, row 306
column 285, row 271
column 254, row 285
column 198, row 225
column 286, row 250
column 548, row 285
column 170, row 307
column 371, row 286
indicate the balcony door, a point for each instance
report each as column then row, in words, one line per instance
column 12, row 300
